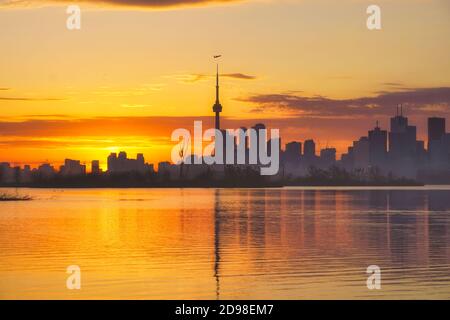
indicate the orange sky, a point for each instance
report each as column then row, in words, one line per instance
column 132, row 74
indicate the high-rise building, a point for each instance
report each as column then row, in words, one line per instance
column 437, row 153
column 95, row 167
column 112, row 161
column 6, row 173
column 293, row 151
column 348, row 159
column 361, row 153
column 328, row 157
column 121, row 164
column 378, row 147
column 309, row 149
column 436, row 128
column 402, row 137
column 46, row 171
column 72, row 168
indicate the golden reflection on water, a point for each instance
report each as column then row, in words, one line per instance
column 226, row 243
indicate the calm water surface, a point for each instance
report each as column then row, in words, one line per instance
column 293, row 243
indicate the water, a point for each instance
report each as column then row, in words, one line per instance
column 291, row 243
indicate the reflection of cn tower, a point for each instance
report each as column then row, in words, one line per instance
column 217, row 108
column 217, row 240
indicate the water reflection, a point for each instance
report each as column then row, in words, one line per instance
column 227, row 243
column 217, row 220
column 293, row 233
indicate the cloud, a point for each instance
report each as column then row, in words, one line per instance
column 4, row 89
column 98, row 126
column 44, row 116
column 189, row 78
column 29, row 99
column 418, row 101
column 393, row 84
column 195, row 77
column 121, row 3
column 238, row 76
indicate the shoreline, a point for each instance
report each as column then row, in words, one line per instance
column 214, row 186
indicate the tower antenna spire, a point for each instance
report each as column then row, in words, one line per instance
column 217, row 83
column 217, row 108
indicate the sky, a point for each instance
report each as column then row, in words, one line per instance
column 137, row 70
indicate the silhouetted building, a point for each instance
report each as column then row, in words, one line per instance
column 348, row 159
column 436, row 128
column 95, row 167
column 121, row 164
column 436, row 142
column 402, row 137
column 25, row 175
column 361, row 153
column 309, row 149
column 46, row 171
column 168, row 171
column 72, row 168
column 6, row 173
column 293, row 151
column 378, row 148
column 402, row 147
column 328, row 157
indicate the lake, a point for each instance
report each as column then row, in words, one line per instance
column 288, row 243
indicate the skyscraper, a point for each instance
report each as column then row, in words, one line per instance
column 377, row 147
column 293, row 151
column 121, row 164
column 328, row 157
column 402, row 137
column 361, row 153
column 436, row 145
column 309, row 149
column 72, row 168
column 436, row 129
column 95, row 167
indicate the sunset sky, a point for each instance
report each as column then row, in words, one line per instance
column 139, row 69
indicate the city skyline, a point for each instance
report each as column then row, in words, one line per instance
column 215, row 122
column 83, row 94
column 397, row 152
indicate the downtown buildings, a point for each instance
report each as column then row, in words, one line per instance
column 395, row 152
column 399, row 153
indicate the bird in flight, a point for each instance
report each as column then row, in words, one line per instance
column 215, row 57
